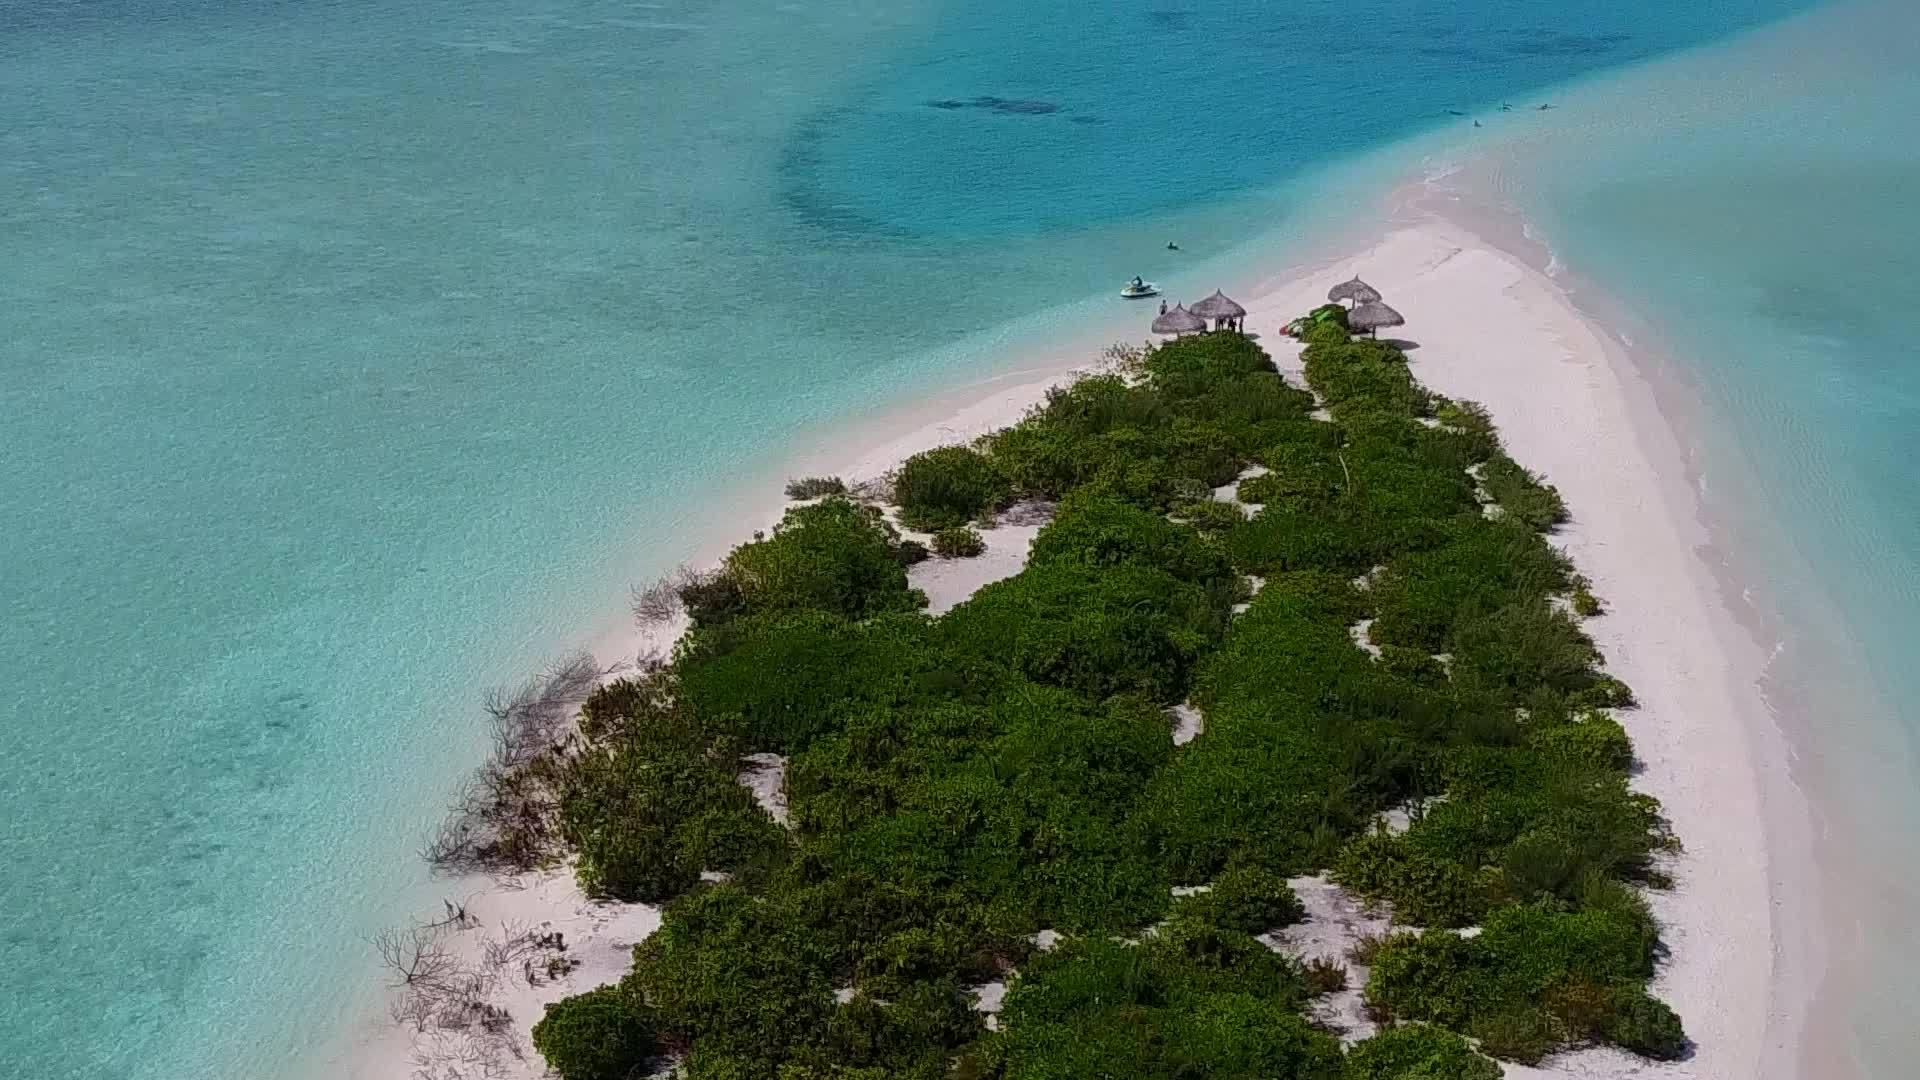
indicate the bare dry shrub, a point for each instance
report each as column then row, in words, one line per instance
column 417, row 956
column 815, row 487
column 515, row 942
column 659, row 602
column 874, row 491
column 502, row 818
column 466, row 1055
column 1028, row 512
column 1365, row 948
column 413, row 1009
column 1326, row 975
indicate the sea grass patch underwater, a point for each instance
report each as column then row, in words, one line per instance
column 959, row 784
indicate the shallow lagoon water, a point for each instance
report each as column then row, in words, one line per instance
column 1756, row 213
column 359, row 353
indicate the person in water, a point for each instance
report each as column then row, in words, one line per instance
column 1171, row 246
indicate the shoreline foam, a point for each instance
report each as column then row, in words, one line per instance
column 1572, row 403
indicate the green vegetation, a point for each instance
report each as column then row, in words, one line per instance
column 602, row 1034
column 648, row 815
column 1535, row 980
column 1418, row 1052
column 958, row 784
column 1192, row 1001
column 835, row 556
column 1521, row 494
column 1327, row 332
column 1248, row 899
column 1585, row 604
column 947, row 487
column 1209, row 516
column 958, row 542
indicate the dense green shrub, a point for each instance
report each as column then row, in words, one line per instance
column 739, row 977
column 1533, row 980
column 958, row 542
column 1210, row 516
column 1522, row 495
column 1341, row 540
column 1425, row 890
column 629, row 706
column 776, row 682
column 1097, row 531
column 942, row 488
column 1026, row 800
column 1364, row 382
column 1585, row 604
column 602, row 1034
column 1100, row 632
column 1272, row 487
column 1194, row 366
column 1100, row 1008
column 1647, row 1026
column 1325, row 333
column 911, row 1034
column 835, row 556
column 712, row 599
column 1548, row 825
column 1424, row 597
column 650, row 815
column 1471, row 420
column 1521, row 1034
column 1594, row 739
column 911, row 552
column 1416, row 667
column 1366, row 865
column 1602, row 693
column 1249, row 899
column 1427, row 976
column 1521, row 647
column 1417, row 1052
column 1255, row 786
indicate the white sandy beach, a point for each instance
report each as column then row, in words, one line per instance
column 1571, row 404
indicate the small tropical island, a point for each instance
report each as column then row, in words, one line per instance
column 1277, row 655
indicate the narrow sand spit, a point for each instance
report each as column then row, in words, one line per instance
column 1570, row 404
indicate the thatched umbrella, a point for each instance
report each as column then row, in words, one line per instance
column 1356, row 290
column 1372, row 316
column 1220, row 309
column 1178, row 321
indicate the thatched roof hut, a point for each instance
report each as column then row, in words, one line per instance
column 1356, row 290
column 1373, row 316
column 1179, row 321
column 1219, row 307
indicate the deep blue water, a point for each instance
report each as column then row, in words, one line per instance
column 357, row 353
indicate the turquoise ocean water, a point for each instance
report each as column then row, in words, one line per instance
column 357, row 354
